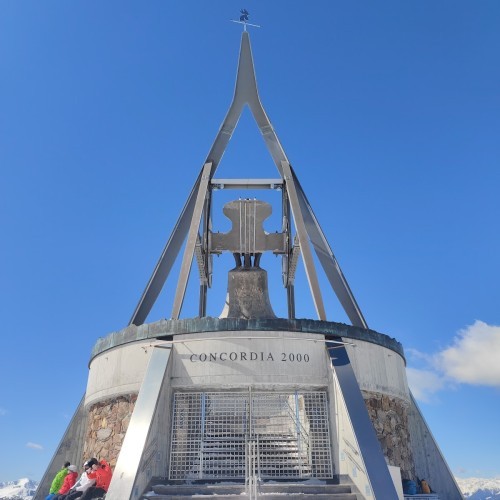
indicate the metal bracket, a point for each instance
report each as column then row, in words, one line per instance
column 247, row 235
column 294, row 260
column 246, row 183
column 200, row 260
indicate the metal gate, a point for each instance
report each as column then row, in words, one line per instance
column 235, row 435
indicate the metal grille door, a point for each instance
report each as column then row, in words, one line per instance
column 212, row 432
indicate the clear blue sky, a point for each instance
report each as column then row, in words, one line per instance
column 390, row 114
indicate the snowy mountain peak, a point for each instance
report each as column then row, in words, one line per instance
column 475, row 488
column 22, row 489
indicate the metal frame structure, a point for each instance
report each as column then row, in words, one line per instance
column 238, row 435
column 196, row 215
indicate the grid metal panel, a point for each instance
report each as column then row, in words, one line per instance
column 316, row 413
column 186, row 436
column 210, row 433
column 225, row 429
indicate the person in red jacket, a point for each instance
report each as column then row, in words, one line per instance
column 101, row 472
column 69, row 481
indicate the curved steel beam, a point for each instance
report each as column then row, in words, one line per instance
column 246, row 93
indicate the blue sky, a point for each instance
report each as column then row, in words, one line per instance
column 390, row 114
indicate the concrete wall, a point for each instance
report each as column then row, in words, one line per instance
column 118, row 371
column 378, row 369
column 264, row 359
column 269, row 360
column 115, row 378
column 429, row 461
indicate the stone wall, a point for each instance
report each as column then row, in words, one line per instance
column 390, row 418
column 107, row 424
column 108, row 420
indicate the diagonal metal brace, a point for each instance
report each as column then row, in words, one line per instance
column 307, row 257
column 371, row 451
column 194, row 227
column 327, row 259
column 166, row 260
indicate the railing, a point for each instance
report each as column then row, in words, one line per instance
column 211, row 432
column 252, row 468
column 303, row 438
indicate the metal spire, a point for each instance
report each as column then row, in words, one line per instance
column 198, row 208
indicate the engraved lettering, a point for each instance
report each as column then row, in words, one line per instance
column 262, row 356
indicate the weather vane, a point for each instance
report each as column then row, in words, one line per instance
column 245, row 15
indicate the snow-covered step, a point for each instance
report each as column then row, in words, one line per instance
column 312, row 489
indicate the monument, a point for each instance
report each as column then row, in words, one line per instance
column 248, row 404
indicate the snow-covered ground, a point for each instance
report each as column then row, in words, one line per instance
column 473, row 489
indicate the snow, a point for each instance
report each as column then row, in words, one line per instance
column 22, row 489
column 473, row 488
column 479, row 488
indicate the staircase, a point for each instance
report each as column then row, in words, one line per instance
column 278, row 457
column 162, row 489
column 250, row 446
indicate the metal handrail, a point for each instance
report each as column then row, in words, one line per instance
column 291, row 413
column 252, row 468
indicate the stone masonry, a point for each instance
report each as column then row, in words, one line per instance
column 390, row 418
column 107, row 424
